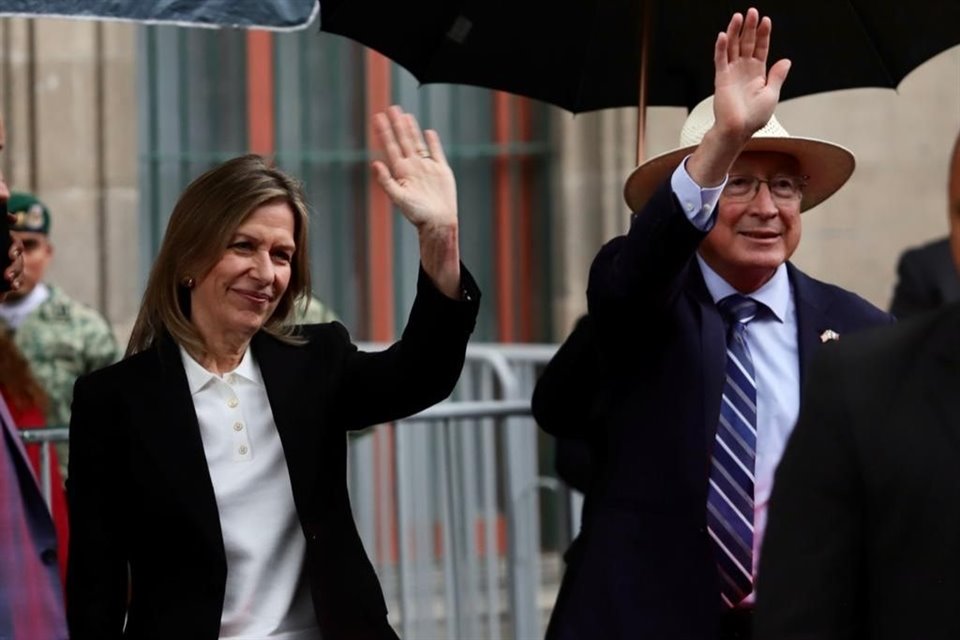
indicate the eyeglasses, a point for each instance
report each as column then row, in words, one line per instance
column 782, row 188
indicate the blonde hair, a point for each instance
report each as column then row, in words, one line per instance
column 201, row 226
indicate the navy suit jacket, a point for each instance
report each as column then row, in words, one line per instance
column 642, row 566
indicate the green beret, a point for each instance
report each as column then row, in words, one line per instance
column 29, row 213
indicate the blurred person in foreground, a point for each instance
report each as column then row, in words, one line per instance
column 927, row 279
column 213, row 503
column 864, row 534
column 31, row 593
column 61, row 338
column 703, row 333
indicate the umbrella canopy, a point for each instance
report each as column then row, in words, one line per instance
column 583, row 55
column 266, row 14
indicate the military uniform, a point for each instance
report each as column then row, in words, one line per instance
column 61, row 338
column 64, row 339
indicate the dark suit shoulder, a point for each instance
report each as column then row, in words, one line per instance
column 144, row 364
column 930, row 251
column 887, row 347
column 834, row 300
column 120, row 373
column 326, row 332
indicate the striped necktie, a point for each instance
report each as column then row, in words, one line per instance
column 730, row 495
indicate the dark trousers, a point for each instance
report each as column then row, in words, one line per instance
column 736, row 624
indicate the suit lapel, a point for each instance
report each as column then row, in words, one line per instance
column 713, row 343
column 812, row 318
column 170, row 429
column 285, row 376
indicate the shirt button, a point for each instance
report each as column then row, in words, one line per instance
column 243, row 449
column 689, row 206
column 238, row 426
column 232, row 403
column 707, row 207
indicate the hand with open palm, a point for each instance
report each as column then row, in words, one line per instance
column 416, row 177
column 745, row 93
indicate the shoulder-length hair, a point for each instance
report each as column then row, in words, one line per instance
column 17, row 384
column 201, row 227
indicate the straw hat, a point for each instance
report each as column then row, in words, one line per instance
column 826, row 165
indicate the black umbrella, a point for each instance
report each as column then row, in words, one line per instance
column 270, row 14
column 584, row 55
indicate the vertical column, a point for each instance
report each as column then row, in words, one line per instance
column 504, row 268
column 260, row 93
column 380, row 309
column 525, row 241
column 64, row 145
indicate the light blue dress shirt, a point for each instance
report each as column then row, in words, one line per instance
column 772, row 339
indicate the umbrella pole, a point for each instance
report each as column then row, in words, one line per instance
column 646, row 16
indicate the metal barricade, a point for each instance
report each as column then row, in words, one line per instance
column 463, row 505
column 45, row 438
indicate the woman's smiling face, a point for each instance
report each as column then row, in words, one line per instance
column 239, row 294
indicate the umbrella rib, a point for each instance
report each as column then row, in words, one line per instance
column 871, row 40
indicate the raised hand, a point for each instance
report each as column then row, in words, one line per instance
column 418, row 179
column 415, row 175
column 745, row 93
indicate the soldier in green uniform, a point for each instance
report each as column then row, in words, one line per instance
column 60, row 337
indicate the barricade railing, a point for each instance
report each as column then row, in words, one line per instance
column 463, row 506
column 45, row 437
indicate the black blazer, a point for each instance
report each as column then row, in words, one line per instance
column 926, row 280
column 574, row 457
column 642, row 566
column 863, row 538
column 141, row 497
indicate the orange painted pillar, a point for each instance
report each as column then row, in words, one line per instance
column 379, row 212
column 260, row 93
column 380, row 307
column 525, row 277
column 504, row 272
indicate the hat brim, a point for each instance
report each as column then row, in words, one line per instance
column 826, row 165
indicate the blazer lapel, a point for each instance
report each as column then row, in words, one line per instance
column 812, row 319
column 713, row 343
column 285, row 376
column 170, row 430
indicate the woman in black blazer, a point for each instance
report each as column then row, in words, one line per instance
column 207, row 481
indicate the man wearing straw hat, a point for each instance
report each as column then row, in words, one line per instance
column 703, row 331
